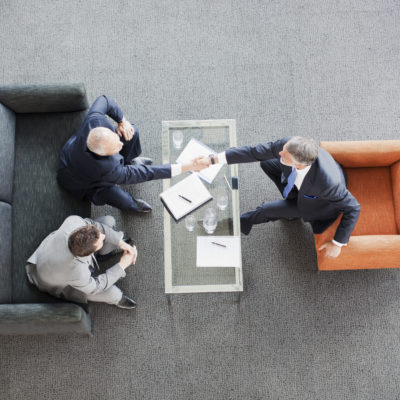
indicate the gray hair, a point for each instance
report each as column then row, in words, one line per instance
column 303, row 150
column 97, row 139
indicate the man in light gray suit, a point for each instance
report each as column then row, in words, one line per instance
column 64, row 264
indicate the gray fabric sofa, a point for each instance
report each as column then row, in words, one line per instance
column 35, row 122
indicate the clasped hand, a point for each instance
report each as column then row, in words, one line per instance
column 197, row 164
column 125, row 129
column 129, row 256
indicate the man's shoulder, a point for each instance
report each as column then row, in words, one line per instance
column 72, row 222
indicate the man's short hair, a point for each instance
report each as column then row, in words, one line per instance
column 82, row 241
column 303, row 150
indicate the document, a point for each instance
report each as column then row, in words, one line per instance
column 186, row 196
column 195, row 149
column 219, row 251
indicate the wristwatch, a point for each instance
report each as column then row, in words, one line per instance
column 212, row 159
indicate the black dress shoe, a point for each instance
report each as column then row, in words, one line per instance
column 126, row 303
column 142, row 206
column 142, row 161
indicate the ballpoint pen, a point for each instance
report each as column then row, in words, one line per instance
column 218, row 244
column 184, row 198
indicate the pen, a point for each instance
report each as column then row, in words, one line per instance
column 227, row 182
column 184, row 198
column 218, row 244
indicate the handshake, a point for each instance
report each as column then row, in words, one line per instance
column 197, row 164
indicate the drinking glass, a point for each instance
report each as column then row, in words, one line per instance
column 210, row 220
column 190, row 222
column 222, row 200
column 177, row 138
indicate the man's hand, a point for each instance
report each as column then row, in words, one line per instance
column 204, row 160
column 197, row 164
column 331, row 249
column 130, row 249
column 127, row 259
column 125, row 129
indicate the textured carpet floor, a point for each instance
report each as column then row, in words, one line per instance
column 324, row 69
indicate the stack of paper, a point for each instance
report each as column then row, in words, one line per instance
column 195, row 149
column 219, row 251
column 185, row 197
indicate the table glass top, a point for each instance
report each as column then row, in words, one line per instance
column 181, row 273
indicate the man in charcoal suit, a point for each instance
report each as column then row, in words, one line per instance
column 98, row 157
column 312, row 184
column 65, row 263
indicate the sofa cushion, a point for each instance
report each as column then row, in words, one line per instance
column 39, row 204
column 372, row 187
column 5, row 252
column 44, row 98
column 7, row 141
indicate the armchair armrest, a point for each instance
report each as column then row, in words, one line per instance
column 364, row 252
column 44, row 319
column 368, row 153
column 44, row 98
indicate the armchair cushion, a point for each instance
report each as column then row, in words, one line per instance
column 372, row 187
column 395, row 171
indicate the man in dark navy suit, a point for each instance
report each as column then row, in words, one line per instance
column 98, row 157
column 312, row 184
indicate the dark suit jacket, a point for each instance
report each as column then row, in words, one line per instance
column 323, row 194
column 83, row 173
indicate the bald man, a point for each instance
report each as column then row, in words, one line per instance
column 100, row 156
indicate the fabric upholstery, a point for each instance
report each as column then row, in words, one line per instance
column 7, row 142
column 5, row 252
column 40, row 204
column 362, row 252
column 39, row 319
column 395, row 171
column 372, row 187
column 369, row 153
column 373, row 177
column 44, row 98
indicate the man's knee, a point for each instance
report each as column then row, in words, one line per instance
column 109, row 220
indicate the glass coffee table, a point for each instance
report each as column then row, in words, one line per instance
column 180, row 245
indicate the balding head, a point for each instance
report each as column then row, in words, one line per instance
column 103, row 141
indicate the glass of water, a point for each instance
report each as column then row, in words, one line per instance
column 222, row 200
column 177, row 138
column 210, row 220
column 190, row 222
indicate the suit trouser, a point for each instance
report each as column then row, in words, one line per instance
column 272, row 210
column 113, row 294
column 114, row 195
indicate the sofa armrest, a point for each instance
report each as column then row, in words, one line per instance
column 44, row 319
column 364, row 252
column 44, row 98
column 367, row 153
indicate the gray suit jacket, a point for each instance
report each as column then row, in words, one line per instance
column 54, row 269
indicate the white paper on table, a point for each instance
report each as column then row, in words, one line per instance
column 195, row 149
column 212, row 255
column 193, row 189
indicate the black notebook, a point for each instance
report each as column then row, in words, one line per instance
column 184, row 197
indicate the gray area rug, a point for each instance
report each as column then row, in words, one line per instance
column 324, row 69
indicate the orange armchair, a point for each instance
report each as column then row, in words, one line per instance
column 373, row 177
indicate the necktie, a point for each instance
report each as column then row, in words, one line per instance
column 290, row 183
